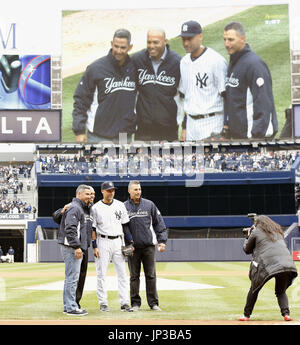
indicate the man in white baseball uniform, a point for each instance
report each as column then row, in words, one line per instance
column 109, row 218
column 203, row 73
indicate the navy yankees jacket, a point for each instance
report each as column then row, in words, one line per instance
column 156, row 104
column 249, row 106
column 75, row 226
column 104, row 99
column 146, row 224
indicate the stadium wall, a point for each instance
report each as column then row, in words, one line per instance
column 229, row 249
column 199, row 222
column 210, row 249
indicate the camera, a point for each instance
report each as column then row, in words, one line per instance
column 247, row 231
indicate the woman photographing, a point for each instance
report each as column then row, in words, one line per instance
column 271, row 258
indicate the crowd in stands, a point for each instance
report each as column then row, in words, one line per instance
column 251, row 161
column 145, row 162
column 13, row 178
column 16, row 206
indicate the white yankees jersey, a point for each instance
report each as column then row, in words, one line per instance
column 108, row 218
column 202, row 82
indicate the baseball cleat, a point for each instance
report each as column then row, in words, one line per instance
column 244, row 318
column 287, row 318
column 77, row 312
column 125, row 307
column 104, row 307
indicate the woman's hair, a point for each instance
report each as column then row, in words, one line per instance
column 270, row 228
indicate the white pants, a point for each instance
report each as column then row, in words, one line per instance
column 110, row 250
column 198, row 129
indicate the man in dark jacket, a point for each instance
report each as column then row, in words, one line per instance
column 158, row 75
column 104, row 99
column 249, row 103
column 147, row 228
column 72, row 238
column 270, row 258
column 57, row 217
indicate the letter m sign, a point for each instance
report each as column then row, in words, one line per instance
column 10, row 38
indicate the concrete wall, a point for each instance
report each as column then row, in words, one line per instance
column 221, row 249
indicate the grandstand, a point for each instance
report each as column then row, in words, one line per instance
column 18, row 197
column 204, row 192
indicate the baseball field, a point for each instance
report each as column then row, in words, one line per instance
column 190, row 293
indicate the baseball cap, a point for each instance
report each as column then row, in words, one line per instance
column 107, row 185
column 190, row 29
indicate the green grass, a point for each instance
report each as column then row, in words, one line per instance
column 227, row 303
column 270, row 42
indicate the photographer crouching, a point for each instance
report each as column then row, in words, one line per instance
column 270, row 258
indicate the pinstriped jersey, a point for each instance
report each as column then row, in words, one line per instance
column 108, row 218
column 202, row 82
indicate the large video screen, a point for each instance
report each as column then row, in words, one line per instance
column 103, row 107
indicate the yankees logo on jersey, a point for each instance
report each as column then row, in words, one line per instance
column 108, row 218
column 148, row 78
column 232, row 81
column 201, row 81
column 112, row 85
column 118, row 215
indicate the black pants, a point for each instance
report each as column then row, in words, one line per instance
column 281, row 284
column 82, row 276
column 145, row 256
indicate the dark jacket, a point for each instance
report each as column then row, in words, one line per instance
column 106, row 94
column 156, row 105
column 146, row 222
column 75, row 225
column 57, row 217
column 269, row 258
column 248, row 75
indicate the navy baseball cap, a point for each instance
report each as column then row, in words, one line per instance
column 107, row 185
column 190, row 29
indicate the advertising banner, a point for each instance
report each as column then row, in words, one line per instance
column 30, row 74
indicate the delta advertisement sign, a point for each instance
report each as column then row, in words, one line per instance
column 30, row 82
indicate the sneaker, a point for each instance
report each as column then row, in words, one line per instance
column 244, row 318
column 287, row 318
column 104, row 307
column 135, row 308
column 77, row 312
column 156, row 307
column 125, row 307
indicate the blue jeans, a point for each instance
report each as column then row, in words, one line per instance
column 72, row 271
